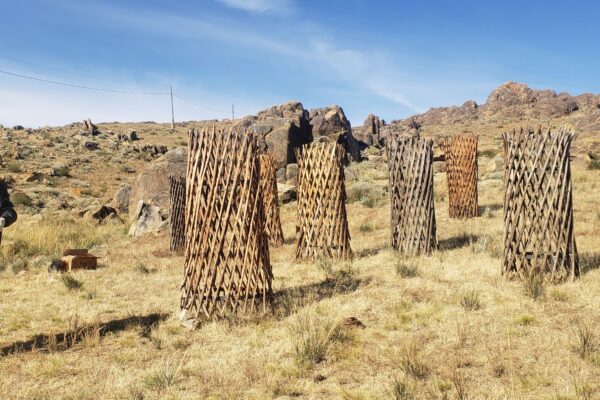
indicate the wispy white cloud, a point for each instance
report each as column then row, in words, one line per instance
column 371, row 71
column 262, row 6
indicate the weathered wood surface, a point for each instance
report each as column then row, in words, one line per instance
column 322, row 220
column 268, row 184
column 227, row 268
column 460, row 153
column 410, row 163
column 177, row 212
column 538, row 206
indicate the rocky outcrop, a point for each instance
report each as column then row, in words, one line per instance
column 331, row 122
column 280, row 129
column 372, row 131
column 152, row 184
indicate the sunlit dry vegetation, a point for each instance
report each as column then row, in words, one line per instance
column 441, row 327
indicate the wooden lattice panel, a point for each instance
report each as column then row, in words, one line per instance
column 177, row 212
column 268, row 184
column 227, row 268
column 460, row 153
column 538, row 206
column 410, row 163
column 322, row 222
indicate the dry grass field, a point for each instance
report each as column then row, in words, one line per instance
column 440, row 327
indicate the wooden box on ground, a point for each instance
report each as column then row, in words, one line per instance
column 79, row 259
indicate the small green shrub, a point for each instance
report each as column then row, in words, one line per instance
column 593, row 165
column 586, row 344
column 312, row 337
column 14, row 167
column 400, row 390
column 471, row 300
column 410, row 362
column 405, row 268
column 365, row 227
column 489, row 153
column 525, row 320
column 70, row 282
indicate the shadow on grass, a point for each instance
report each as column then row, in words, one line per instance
column 457, row 242
column 289, row 300
column 589, row 262
column 66, row 340
column 370, row 251
column 491, row 207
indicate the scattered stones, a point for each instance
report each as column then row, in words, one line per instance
column 35, row 177
column 280, row 174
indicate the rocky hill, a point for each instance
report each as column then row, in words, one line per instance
column 509, row 106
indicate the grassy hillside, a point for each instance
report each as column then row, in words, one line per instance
column 440, row 327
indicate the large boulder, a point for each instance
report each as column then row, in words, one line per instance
column 152, row 184
column 332, row 123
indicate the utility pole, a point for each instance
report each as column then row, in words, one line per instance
column 172, row 111
column 232, row 113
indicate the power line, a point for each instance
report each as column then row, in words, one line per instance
column 97, row 77
column 170, row 93
column 80, row 86
column 197, row 105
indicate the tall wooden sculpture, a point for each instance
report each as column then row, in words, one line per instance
column 227, row 268
column 461, row 170
column 410, row 163
column 177, row 212
column 538, row 206
column 323, row 225
column 268, row 184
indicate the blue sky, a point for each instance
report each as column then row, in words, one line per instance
column 390, row 58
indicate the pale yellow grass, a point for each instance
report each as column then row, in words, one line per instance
column 417, row 337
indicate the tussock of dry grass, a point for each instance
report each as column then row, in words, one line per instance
column 454, row 330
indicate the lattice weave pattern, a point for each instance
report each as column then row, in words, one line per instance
column 268, row 184
column 461, row 170
column 227, row 267
column 538, row 206
column 410, row 163
column 177, row 212
column 323, row 225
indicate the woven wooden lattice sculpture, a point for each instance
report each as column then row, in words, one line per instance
column 177, row 212
column 461, row 170
column 227, row 268
column 538, row 206
column 323, row 225
column 268, row 184
column 410, row 163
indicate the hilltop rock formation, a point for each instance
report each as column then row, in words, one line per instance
column 509, row 101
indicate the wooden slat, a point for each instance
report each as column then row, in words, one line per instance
column 177, row 212
column 268, row 184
